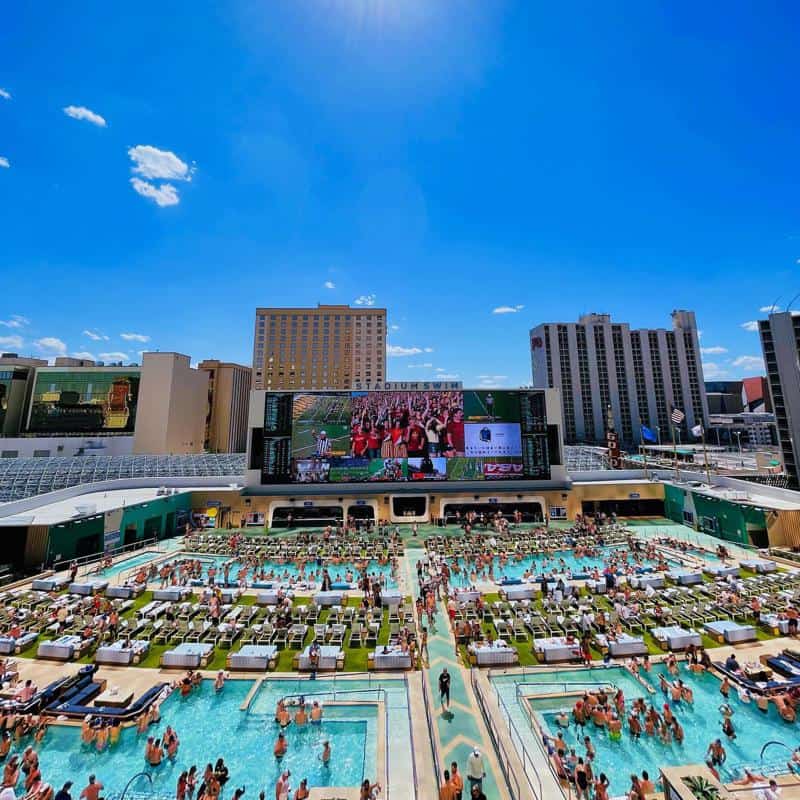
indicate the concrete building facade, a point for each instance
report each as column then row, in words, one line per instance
column 780, row 343
column 172, row 405
column 327, row 347
column 641, row 374
column 228, row 402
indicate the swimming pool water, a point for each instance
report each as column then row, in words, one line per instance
column 129, row 564
column 211, row 725
column 546, row 563
column 701, row 722
column 290, row 571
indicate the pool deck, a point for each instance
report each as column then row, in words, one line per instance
column 453, row 733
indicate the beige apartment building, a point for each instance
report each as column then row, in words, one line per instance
column 228, row 401
column 172, row 405
column 327, row 347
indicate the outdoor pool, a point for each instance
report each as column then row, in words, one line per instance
column 211, row 725
column 289, row 572
column 558, row 562
column 700, row 720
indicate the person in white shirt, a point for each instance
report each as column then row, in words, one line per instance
column 476, row 771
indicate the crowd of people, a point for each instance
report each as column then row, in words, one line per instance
column 407, row 425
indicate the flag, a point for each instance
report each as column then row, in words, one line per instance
column 677, row 416
column 697, row 431
column 648, row 435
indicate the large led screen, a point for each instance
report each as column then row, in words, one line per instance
column 386, row 436
column 90, row 401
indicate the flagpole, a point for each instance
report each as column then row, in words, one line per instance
column 675, row 451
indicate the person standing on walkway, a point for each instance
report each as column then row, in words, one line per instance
column 446, row 789
column 456, row 781
column 444, row 688
column 476, row 771
column 423, row 644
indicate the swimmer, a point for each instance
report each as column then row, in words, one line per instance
column 325, row 756
column 219, row 681
column 279, row 751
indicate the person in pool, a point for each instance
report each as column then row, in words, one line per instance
column 279, row 751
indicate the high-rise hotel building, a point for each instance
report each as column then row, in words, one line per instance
column 780, row 343
column 327, row 347
column 641, row 374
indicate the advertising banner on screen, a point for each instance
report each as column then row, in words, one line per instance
column 494, row 471
column 493, row 439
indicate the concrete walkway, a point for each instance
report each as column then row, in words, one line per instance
column 459, row 728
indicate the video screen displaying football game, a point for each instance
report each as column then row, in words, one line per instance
column 388, row 436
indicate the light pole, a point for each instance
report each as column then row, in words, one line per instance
column 658, row 431
column 738, row 435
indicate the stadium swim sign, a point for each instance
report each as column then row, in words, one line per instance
column 409, row 386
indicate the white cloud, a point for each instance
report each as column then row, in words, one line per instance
column 5, row 94
column 14, row 342
column 749, row 363
column 116, row 355
column 16, row 321
column 329, row 285
column 448, row 376
column 135, row 337
column 150, row 162
column 95, row 336
column 713, row 351
column 712, row 370
column 394, row 327
column 769, row 309
column 81, row 112
column 50, row 344
column 397, row 350
column 84, row 354
column 507, row 309
column 420, row 366
column 365, row 300
column 164, row 195
column 4, row 162
column 751, row 326
column 428, row 349
column 155, row 164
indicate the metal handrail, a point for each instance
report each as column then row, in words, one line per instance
column 500, row 749
column 82, row 561
column 429, row 720
column 411, row 734
column 565, row 684
column 512, row 730
column 335, row 692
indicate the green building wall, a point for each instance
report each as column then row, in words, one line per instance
column 735, row 522
column 155, row 519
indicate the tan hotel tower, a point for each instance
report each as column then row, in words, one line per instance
column 327, row 347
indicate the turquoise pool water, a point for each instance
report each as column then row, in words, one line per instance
column 277, row 572
column 129, row 564
column 546, row 563
column 211, row 725
column 701, row 722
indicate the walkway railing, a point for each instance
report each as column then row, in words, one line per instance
column 83, row 561
column 429, row 718
column 411, row 734
column 516, row 738
column 500, row 750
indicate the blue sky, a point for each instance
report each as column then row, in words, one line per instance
column 165, row 171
